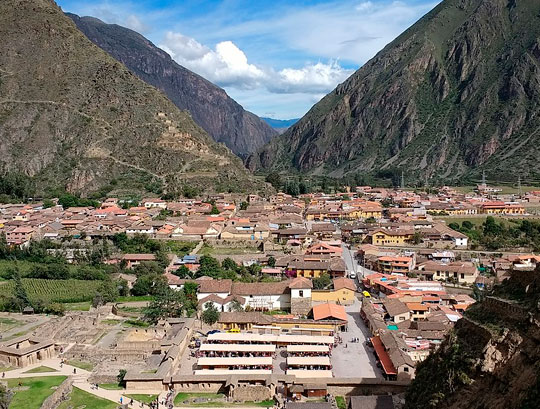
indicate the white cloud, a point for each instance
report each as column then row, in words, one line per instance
column 228, row 66
column 133, row 22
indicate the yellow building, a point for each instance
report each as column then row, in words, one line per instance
column 342, row 293
column 383, row 237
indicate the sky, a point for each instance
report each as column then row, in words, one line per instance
column 277, row 58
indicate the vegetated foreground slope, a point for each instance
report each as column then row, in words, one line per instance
column 492, row 358
column 73, row 117
column 455, row 94
column 210, row 106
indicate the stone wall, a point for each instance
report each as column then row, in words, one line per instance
column 300, row 306
column 251, row 393
column 210, row 387
column 60, row 394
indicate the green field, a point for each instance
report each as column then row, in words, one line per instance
column 341, row 402
column 67, row 291
column 79, row 399
column 142, row 398
column 215, row 400
column 31, row 392
column 8, row 323
column 41, row 369
column 225, row 251
column 111, row 386
column 87, row 366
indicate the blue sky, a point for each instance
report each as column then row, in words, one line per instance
column 276, row 58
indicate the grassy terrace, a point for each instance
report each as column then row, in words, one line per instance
column 41, row 369
column 31, row 392
column 213, row 400
column 87, row 366
column 79, row 399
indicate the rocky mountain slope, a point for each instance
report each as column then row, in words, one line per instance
column 455, row 94
column 73, row 117
column 492, row 358
column 210, row 106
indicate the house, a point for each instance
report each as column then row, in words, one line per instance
column 154, row 203
column 19, row 235
column 397, row 237
column 498, row 207
column 343, row 292
column 313, row 266
column 133, row 260
column 459, row 271
column 330, row 311
column 140, row 229
column 325, row 248
column 395, row 264
column 300, row 300
column 197, row 230
column 245, row 231
column 418, row 311
column 396, row 310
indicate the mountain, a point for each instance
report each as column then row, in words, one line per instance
column 280, row 125
column 491, row 358
column 210, row 106
column 455, row 94
column 72, row 117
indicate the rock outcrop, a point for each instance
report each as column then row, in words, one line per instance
column 72, row 117
column 455, row 94
column 210, row 106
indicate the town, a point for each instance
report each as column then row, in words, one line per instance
column 325, row 299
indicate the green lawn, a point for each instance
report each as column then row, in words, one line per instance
column 181, row 397
column 214, row 400
column 8, row 323
column 111, row 322
column 136, row 324
column 41, row 369
column 142, row 398
column 341, row 402
column 87, row 366
column 224, row 251
column 78, row 306
column 79, row 399
column 111, row 386
column 33, row 391
column 134, row 298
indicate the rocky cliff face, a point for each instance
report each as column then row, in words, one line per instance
column 491, row 360
column 455, row 94
column 210, row 106
column 73, row 117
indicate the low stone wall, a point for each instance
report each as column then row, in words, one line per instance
column 59, row 395
column 251, row 393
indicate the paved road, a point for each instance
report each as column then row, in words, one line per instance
column 357, row 359
column 352, row 264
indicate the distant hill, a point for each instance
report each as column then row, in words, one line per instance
column 455, row 94
column 280, row 125
column 210, row 106
column 72, row 117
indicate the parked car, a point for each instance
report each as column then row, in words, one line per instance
column 214, row 331
column 366, row 294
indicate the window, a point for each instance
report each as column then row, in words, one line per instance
column 406, row 369
column 301, row 293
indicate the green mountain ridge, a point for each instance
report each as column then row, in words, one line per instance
column 455, row 94
column 72, row 117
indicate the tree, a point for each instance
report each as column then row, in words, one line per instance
column 371, row 219
column 417, row 237
column 149, row 284
column 20, row 292
column 214, row 210
column 322, row 282
column 47, row 203
column 148, row 268
column 236, row 306
column 106, row 292
column 168, row 303
column 183, row 272
column 120, row 377
column 5, row 397
column 244, row 205
column 55, row 308
column 210, row 315
column 454, row 226
column 271, row 261
column 209, row 266
column 229, row 264
column 274, row 179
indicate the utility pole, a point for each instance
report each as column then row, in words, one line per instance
column 484, row 178
column 519, row 186
column 402, row 180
